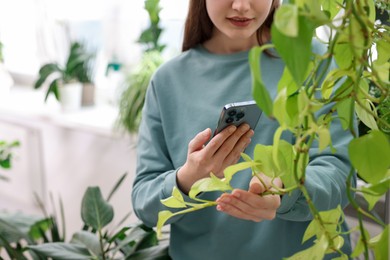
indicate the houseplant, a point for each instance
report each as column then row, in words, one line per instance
column 305, row 87
column 133, row 95
column 32, row 237
column 6, row 154
column 64, row 81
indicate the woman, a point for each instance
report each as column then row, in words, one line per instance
column 185, row 97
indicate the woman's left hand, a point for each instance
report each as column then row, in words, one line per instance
column 249, row 205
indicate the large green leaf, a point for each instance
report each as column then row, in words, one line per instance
column 45, row 71
column 286, row 20
column 62, row 251
column 95, row 211
column 295, row 51
column 156, row 252
column 89, row 240
column 370, row 156
column 259, row 90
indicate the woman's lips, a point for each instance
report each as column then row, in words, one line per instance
column 240, row 22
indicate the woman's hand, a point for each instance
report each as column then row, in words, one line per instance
column 249, row 205
column 222, row 151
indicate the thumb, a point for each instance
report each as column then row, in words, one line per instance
column 255, row 186
column 199, row 140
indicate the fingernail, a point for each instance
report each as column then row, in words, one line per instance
column 232, row 129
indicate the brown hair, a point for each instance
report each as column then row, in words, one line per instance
column 198, row 26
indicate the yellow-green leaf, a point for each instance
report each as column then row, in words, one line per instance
column 163, row 216
column 233, row 169
column 373, row 192
column 370, row 156
column 380, row 244
column 208, row 184
column 367, row 118
column 286, row 20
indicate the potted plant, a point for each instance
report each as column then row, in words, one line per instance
column 133, row 94
column 65, row 82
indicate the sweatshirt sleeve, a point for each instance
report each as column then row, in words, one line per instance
column 155, row 173
column 326, row 176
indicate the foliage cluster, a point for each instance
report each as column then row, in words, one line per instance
column 308, row 84
column 31, row 237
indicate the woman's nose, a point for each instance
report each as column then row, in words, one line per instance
column 241, row 6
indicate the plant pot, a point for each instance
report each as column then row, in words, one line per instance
column 88, row 95
column 70, row 96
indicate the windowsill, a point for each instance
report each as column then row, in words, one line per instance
column 24, row 103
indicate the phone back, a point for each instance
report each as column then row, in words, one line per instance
column 237, row 114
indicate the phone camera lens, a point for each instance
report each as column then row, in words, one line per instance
column 240, row 115
column 232, row 112
column 229, row 120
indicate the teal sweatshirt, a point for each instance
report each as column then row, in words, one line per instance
column 186, row 96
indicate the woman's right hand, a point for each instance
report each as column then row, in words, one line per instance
column 222, row 151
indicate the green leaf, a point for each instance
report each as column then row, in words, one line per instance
column 116, row 186
column 175, row 201
column 209, row 184
column 295, row 51
column 367, row 118
column 264, row 155
column 315, row 252
column 259, row 90
column 380, row 244
column 233, row 169
column 62, row 251
column 89, row 240
column 370, row 156
column 331, row 218
column 345, row 112
column 333, row 7
column 331, row 79
column 95, row 211
column 373, row 192
column 163, row 216
column 324, row 137
column 383, row 49
column 359, row 248
column 342, row 52
column 45, row 71
column 279, row 108
column 246, row 157
column 155, row 252
column 286, row 20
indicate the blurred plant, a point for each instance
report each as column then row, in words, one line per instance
column 133, row 95
column 6, row 155
column 150, row 37
column 26, row 237
column 76, row 69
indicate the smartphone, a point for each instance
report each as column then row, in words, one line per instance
column 238, row 113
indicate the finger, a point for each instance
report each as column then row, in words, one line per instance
column 241, row 145
column 217, row 141
column 237, row 208
column 199, row 140
column 228, row 146
column 256, row 201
